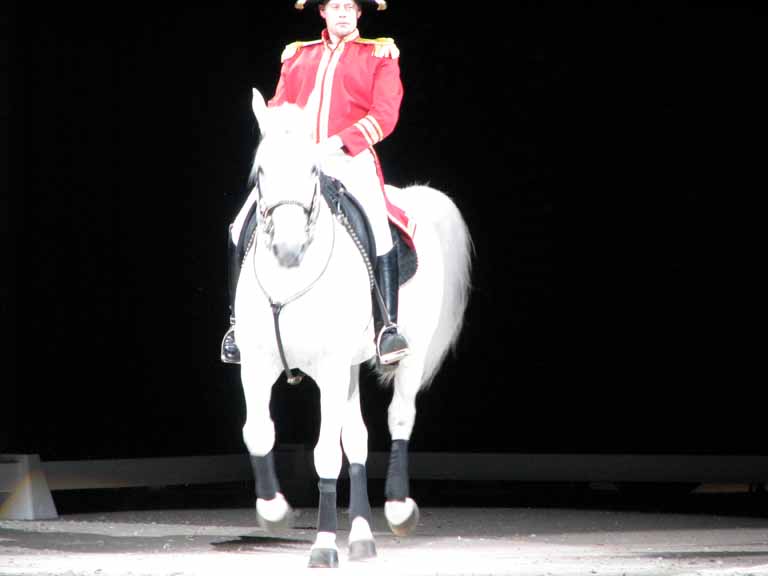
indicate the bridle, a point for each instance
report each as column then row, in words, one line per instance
column 266, row 211
column 266, row 225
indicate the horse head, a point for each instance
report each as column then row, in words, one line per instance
column 286, row 177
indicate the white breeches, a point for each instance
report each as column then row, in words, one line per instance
column 359, row 176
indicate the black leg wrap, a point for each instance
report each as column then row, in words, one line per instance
column 264, row 473
column 396, row 487
column 326, row 516
column 359, row 505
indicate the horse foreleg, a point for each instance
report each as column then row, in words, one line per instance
column 400, row 509
column 272, row 509
column 333, row 394
column 354, row 439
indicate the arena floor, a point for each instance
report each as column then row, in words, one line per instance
column 518, row 541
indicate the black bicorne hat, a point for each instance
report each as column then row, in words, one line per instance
column 380, row 4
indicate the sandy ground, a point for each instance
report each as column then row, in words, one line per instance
column 448, row 541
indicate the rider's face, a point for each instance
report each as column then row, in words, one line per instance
column 340, row 17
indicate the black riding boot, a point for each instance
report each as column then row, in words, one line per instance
column 391, row 346
column 230, row 353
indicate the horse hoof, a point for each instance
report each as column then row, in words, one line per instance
column 273, row 526
column 274, row 515
column 362, row 550
column 402, row 516
column 278, row 526
column 323, row 558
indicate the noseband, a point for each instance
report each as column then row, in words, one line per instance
column 266, row 211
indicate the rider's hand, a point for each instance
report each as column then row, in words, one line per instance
column 328, row 146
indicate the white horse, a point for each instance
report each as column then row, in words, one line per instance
column 304, row 276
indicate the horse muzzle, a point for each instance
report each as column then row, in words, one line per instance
column 289, row 254
column 289, row 226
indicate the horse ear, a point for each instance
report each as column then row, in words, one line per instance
column 259, row 110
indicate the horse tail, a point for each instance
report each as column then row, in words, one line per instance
column 433, row 209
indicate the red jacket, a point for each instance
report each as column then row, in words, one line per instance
column 358, row 95
column 359, row 87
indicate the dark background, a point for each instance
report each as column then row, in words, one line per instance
column 601, row 154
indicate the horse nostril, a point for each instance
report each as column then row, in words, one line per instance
column 287, row 256
column 290, row 260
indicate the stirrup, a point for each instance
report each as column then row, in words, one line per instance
column 230, row 353
column 391, row 357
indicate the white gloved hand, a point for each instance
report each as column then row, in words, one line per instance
column 327, row 147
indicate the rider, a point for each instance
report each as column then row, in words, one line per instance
column 352, row 87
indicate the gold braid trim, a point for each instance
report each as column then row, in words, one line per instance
column 293, row 48
column 382, row 47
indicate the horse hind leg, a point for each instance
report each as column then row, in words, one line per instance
column 400, row 509
column 354, row 439
column 332, row 383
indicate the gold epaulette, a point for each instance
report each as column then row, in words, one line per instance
column 291, row 49
column 382, row 47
